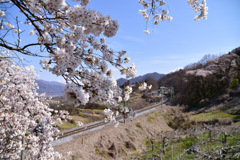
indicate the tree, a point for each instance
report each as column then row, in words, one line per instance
column 73, row 41
column 202, row 62
column 26, row 121
column 234, row 82
column 71, row 37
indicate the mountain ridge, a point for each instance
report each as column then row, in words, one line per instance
column 141, row 78
column 53, row 88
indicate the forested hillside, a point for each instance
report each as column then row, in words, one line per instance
column 204, row 83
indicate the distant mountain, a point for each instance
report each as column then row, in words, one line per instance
column 50, row 88
column 154, row 75
column 121, row 81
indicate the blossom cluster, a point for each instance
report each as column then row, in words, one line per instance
column 154, row 8
column 127, row 92
column 92, row 22
column 26, row 122
column 9, row 25
column 2, row 13
column 199, row 72
column 96, row 88
column 199, row 7
column 112, row 115
column 130, row 72
column 143, row 86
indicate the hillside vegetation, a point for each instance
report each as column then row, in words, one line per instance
column 204, row 83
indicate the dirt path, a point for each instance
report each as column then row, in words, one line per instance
column 115, row 143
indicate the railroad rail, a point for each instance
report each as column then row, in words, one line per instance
column 100, row 123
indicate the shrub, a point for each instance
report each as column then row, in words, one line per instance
column 138, row 124
column 234, row 82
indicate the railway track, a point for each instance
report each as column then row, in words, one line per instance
column 100, row 123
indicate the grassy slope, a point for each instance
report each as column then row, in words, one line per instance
column 215, row 114
column 177, row 147
column 227, row 110
column 86, row 116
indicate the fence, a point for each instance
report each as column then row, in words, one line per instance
column 205, row 143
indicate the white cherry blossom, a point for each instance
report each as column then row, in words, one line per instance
column 74, row 39
column 26, row 122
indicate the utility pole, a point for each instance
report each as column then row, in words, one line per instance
column 172, row 92
column 161, row 91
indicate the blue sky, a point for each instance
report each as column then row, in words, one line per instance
column 171, row 45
